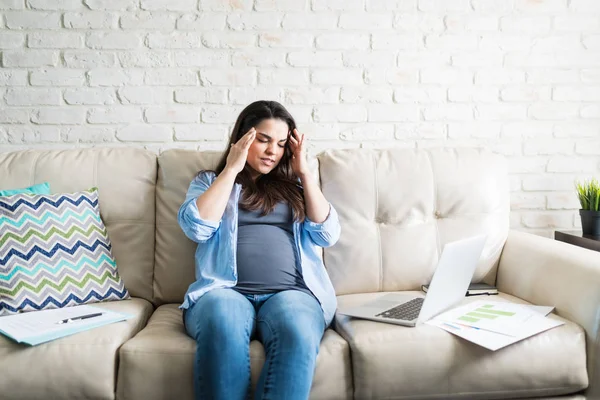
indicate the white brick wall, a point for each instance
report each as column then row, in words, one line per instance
column 520, row 77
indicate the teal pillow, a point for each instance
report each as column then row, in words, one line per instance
column 40, row 188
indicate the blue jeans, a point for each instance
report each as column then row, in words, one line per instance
column 290, row 326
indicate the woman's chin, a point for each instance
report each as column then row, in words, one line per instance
column 265, row 170
column 262, row 169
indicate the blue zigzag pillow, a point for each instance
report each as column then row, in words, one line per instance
column 55, row 252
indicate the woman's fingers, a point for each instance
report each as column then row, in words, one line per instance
column 293, row 144
column 247, row 135
column 249, row 140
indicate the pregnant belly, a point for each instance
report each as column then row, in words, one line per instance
column 265, row 256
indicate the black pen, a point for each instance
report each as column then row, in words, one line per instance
column 66, row 321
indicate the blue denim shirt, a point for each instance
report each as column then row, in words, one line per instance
column 216, row 265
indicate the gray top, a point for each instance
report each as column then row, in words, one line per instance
column 266, row 258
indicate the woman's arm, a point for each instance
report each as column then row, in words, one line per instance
column 200, row 214
column 321, row 223
column 211, row 204
column 196, row 228
column 317, row 206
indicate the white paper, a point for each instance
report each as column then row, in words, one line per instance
column 40, row 326
column 544, row 310
column 532, row 321
column 499, row 317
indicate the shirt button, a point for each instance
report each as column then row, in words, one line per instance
column 438, row 215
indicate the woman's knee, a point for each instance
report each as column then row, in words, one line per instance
column 299, row 324
column 221, row 313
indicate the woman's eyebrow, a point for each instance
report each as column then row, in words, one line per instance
column 269, row 137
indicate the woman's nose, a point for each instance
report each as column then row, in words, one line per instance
column 271, row 148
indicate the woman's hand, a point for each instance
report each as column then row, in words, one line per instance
column 238, row 154
column 299, row 164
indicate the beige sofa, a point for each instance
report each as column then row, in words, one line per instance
column 397, row 209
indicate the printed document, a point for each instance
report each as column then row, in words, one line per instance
column 495, row 325
column 37, row 327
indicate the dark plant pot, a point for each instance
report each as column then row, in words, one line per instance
column 590, row 222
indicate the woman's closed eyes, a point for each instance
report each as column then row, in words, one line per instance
column 261, row 140
column 266, row 141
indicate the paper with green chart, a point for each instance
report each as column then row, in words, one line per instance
column 493, row 324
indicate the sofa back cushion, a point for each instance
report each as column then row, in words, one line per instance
column 174, row 263
column 399, row 207
column 125, row 178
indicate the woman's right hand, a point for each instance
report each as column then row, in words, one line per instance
column 236, row 160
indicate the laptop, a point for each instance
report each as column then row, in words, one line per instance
column 448, row 286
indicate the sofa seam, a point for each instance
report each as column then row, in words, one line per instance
column 96, row 160
column 117, row 221
column 435, row 206
column 375, row 187
column 35, row 162
column 156, row 178
column 496, row 392
column 163, row 353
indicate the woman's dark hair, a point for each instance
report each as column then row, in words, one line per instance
column 279, row 185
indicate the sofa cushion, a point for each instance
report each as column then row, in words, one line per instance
column 399, row 207
column 80, row 366
column 174, row 266
column 392, row 361
column 158, row 362
column 55, row 252
column 125, row 178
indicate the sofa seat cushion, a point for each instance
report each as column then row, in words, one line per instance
column 393, row 361
column 158, row 362
column 80, row 366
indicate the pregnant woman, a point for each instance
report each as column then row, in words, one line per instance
column 259, row 219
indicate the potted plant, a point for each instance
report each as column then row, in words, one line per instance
column 589, row 198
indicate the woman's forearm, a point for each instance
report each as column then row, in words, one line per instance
column 317, row 206
column 211, row 204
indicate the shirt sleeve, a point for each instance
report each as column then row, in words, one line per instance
column 196, row 228
column 326, row 233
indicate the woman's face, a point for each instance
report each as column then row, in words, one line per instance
column 268, row 147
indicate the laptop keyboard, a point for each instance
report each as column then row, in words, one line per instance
column 406, row 311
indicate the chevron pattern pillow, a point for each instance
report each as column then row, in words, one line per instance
column 55, row 252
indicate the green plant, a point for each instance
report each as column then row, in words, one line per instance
column 589, row 194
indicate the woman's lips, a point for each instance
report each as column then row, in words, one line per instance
column 267, row 161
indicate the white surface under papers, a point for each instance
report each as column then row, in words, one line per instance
column 37, row 327
column 495, row 325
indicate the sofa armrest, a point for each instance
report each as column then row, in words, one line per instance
column 547, row 272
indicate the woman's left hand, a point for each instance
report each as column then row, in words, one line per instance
column 299, row 164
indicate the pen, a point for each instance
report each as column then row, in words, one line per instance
column 66, row 321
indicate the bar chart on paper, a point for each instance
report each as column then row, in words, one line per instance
column 485, row 312
column 494, row 324
column 504, row 318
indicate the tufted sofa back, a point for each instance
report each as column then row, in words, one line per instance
column 399, row 207
column 126, row 181
column 174, row 253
